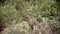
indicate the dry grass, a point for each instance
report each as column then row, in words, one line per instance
column 46, row 27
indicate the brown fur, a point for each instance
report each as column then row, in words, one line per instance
column 32, row 21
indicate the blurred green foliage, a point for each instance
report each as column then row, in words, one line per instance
column 14, row 10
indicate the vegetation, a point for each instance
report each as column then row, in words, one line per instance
column 14, row 13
